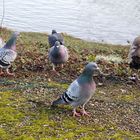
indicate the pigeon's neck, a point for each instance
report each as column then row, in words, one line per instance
column 11, row 43
column 85, row 79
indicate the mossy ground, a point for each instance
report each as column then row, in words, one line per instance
column 25, row 112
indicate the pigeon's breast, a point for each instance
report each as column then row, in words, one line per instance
column 89, row 86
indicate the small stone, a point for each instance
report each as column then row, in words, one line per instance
column 100, row 84
column 49, row 80
column 123, row 90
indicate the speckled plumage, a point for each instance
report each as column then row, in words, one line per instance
column 8, row 54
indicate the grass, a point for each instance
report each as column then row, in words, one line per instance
column 25, row 99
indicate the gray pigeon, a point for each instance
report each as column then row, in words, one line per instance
column 8, row 54
column 58, row 54
column 81, row 90
column 134, row 56
column 55, row 37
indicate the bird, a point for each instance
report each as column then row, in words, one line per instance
column 80, row 90
column 8, row 54
column 55, row 37
column 134, row 55
column 58, row 54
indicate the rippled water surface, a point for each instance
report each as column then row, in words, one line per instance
column 113, row 21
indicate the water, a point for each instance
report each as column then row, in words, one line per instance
column 113, row 21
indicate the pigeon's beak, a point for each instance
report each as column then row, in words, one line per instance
column 97, row 72
column 57, row 46
column 98, row 69
column 19, row 37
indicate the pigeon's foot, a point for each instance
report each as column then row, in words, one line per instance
column 76, row 114
column 62, row 66
column 1, row 73
column 84, row 113
column 10, row 74
column 55, row 72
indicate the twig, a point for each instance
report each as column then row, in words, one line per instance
column 3, row 14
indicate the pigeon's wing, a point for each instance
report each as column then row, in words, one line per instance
column 60, row 38
column 52, row 39
column 50, row 52
column 7, row 55
column 73, row 93
column 66, row 54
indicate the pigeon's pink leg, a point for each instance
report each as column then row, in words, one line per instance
column 84, row 113
column 53, row 67
column 8, row 73
column 54, row 71
column 62, row 66
column 76, row 114
column 1, row 72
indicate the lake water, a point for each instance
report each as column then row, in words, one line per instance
column 114, row 21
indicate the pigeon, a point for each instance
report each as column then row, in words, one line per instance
column 55, row 37
column 8, row 54
column 58, row 54
column 80, row 90
column 134, row 55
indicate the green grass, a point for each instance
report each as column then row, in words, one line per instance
column 25, row 112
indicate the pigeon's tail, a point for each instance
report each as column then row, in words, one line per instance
column 58, row 102
column 64, row 99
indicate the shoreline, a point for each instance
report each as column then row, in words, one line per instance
column 65, row 34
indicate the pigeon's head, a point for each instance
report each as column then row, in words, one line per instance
column 54, row 31
column 92, row 69
column 135, row 49
column 16, row 34
column 137, row 42
column 57, row 44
